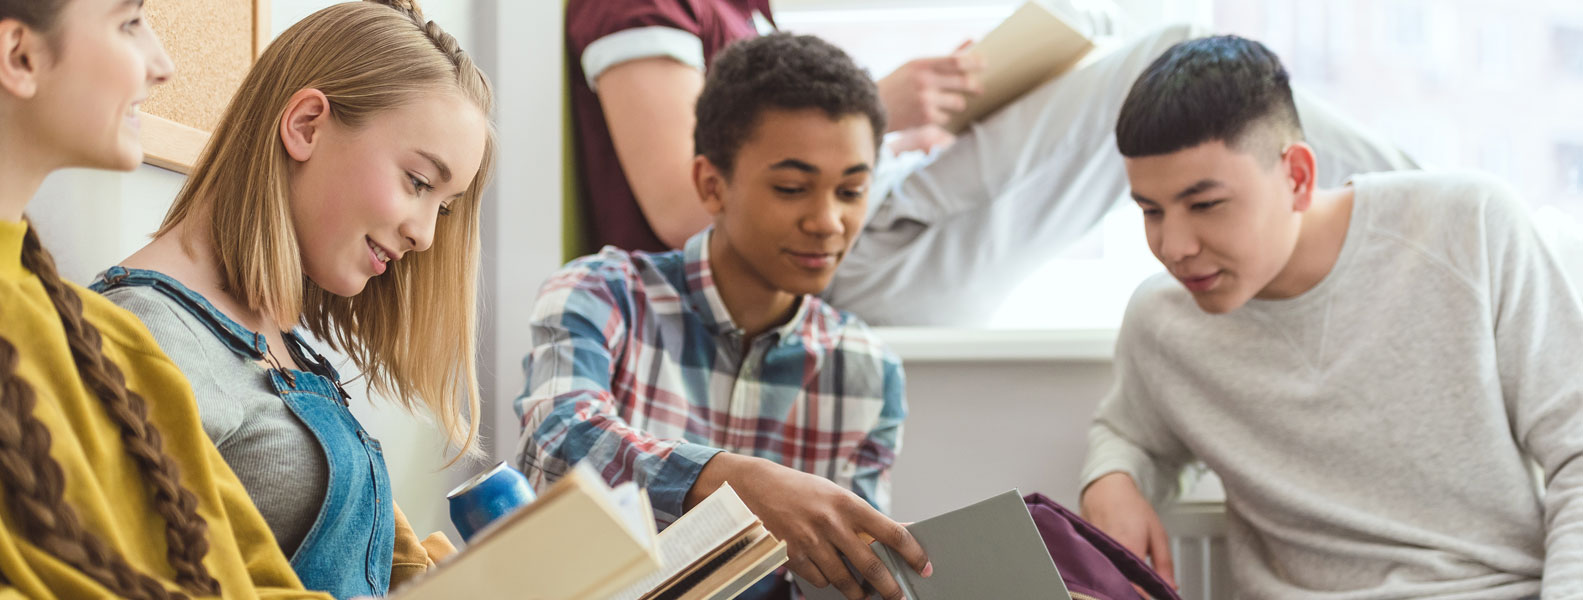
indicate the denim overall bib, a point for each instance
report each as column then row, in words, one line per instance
column 348, row 550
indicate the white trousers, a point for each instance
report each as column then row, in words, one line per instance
column 954, row 236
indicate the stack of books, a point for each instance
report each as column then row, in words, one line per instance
column 585, row 540
column 715, row 551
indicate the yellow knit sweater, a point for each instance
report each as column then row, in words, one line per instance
column 103, row 483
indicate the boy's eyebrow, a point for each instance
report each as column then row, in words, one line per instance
column 445, row 171
column 1142, row 200
column 798, row 165
column 794, row 164
column 1202, row 186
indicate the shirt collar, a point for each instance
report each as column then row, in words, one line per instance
column 11, row 234
column 703, row 296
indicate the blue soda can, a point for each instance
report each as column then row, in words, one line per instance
column 486, row 497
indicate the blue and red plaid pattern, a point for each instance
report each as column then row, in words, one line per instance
column 638, row 369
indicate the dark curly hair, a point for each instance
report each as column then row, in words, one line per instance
column 1224, row 88
column 778, row 71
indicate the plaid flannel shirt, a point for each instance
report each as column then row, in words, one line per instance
column 638, row 369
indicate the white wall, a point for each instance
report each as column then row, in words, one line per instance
column 976, row 429
column 91, row 219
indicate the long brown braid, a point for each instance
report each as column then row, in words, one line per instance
column 35, row 483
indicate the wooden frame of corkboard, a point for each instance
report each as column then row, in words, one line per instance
column 212, row 43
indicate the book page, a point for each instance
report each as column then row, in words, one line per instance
column 717, row 520
column 756, row 562
column 633, row 507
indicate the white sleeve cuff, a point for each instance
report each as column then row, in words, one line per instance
column 643, row 42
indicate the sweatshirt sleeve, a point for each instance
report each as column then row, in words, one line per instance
column 1129, row 434
column 1538, row 324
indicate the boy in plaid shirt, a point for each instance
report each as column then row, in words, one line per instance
column 718, row 363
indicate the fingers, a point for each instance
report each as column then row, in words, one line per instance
column 956, row 83
column 868, row 566
column 961, row 62
column 897, row 538
column 1160, row 553
column 805, row 568
column 950, row 103
column 828, row 560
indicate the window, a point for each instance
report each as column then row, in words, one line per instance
column 1569, row 50
column 1569, row 162
column 1458, row 85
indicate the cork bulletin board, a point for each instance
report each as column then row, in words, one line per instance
column 212, row 43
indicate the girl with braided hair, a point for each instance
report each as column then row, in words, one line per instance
column 109, row 485
column 339, row 197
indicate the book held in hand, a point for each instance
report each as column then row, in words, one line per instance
column 580, row 540
column 991, row 549
column 1030, row 47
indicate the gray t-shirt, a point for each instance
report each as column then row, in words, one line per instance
column 273, row 453
column 1374, row 433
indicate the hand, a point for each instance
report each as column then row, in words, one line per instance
column 819, row 521
column 927, row 91
column 439, row 547
column 1114, row 505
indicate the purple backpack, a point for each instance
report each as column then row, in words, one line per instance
column 1093, row 564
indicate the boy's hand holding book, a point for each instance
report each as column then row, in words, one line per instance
column 820, row 522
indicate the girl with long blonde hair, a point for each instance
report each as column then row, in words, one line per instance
column 339, row 197
column 110, row 486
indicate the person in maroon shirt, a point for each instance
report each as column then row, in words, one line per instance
column 621, row 39
column 636, row 65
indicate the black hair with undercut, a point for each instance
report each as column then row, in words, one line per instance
column 1224, row 88
column 778, row 71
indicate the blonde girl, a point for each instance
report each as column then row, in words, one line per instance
column 110, row 486
column 339, row 197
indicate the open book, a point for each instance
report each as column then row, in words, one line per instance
column 1030, row 47
column 581, row 539
column 715, row 551
column 990, row 549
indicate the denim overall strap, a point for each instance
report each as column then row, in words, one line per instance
column 239, row 339
column 348, row 550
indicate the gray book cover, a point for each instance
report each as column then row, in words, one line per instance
column 990, row 549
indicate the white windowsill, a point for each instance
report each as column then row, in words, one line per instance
column 945, row 344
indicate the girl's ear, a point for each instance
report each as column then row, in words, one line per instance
column 307, row 112
column 21, row 50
